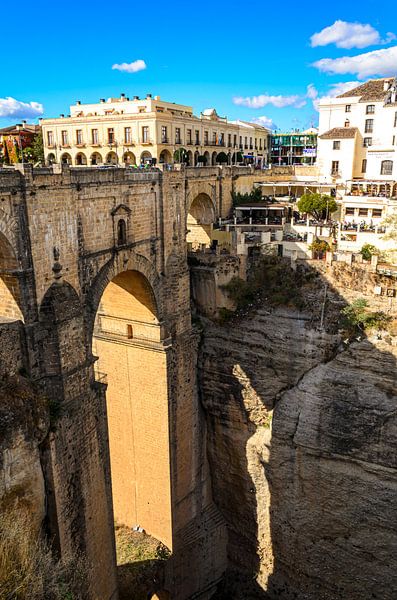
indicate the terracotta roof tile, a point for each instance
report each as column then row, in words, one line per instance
column 370, row 91
column 339, row 133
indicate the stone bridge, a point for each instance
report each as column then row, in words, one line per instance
column 94, row 266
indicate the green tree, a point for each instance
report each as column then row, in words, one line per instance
column 319, row 247
column 368, row 250
column 35, row 152
column 319, row 206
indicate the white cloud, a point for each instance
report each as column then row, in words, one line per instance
column 265, row 99
column 10, row 107
column 133, row 67
column 265, row 122
column 349, row 35
column 335, row 90
column 379, row 62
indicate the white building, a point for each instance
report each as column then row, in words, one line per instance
column 357, row 151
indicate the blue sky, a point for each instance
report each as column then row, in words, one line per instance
column 251, row 60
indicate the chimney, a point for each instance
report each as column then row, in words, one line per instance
column 122, row 96
column 148, row 95
column 62, row 115
column 102, row 100
column 136, row 97
column 78, row 102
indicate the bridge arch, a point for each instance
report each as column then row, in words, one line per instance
column 200, row 219
column 10, row 291
column 130, row 343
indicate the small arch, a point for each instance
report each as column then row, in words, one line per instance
column 196, row 158
column 213, row 159
column 121, row 232
column 51, row 158
column 146, row 157
column 200, row 219
column 96, row 158
column 111, row 158
column 80, row 159
column 207, row 158
column 66, row 159
column 386, row 167
column 129, row 158
column 165, row 157
column 189, row 160
column 10, row 293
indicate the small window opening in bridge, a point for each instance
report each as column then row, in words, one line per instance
column 130, row 333
column 121, row 233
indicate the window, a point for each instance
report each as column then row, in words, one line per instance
column 369, row 125
column 221, row 139
column 364, row 166
column 386, row 167
column 336, row 145
column 367, row 142
column 229, row 140
column 251, row 143
column 245, row 142
column 127, row 135
column 260, row 143
column 370, row 109
column 363, row 212
column 189, row 136
column 145, row 134
column 205, row 138
column 94, row 136
column 350, row 211
column 110, row 135
column 256, row 143
column 50, row 138
column 348, row 108
column 121, row 233
column 335, row 167
column 130, row 333
column 376, row 212
column 163, row 134
column 79, row 136
column 347, row 123
column 197, row 136
column 235, row 140
column 395, row 119
column 177, row 135
column 64, row 137
column 241, row 141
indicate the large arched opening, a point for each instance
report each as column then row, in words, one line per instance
column 129, row 158
column 66, row 159
column 10, row 294
column 96, row 158
column 129, row 341
column 200, row 221
column 165, row 157
column 81, row 159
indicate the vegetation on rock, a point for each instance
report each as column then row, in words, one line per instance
column 357, row 316
column 28, row 569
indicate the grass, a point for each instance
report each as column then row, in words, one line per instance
column 28, row 569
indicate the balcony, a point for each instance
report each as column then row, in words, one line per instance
column 336, row 174
column 80, row 145
column 165, row 140
column 96, row 144
column 178, row 142
column 129, row 143
column 146, row 142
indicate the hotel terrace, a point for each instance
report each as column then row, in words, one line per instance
column 121, row 131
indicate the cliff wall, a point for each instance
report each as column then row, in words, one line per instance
column 302, row 445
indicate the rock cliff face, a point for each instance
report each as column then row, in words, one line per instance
column 24, row 423
column 308, row 495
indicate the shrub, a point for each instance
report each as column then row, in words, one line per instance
column 357, row 316
column 368, row 250
column 28, row 570
column 319, row 247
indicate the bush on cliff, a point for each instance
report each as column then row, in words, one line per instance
column 356, row 316
column 28, row 570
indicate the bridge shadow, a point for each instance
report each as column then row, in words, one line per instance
column 301, row 425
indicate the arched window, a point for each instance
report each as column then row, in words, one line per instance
column 121, row 233
column 386, row 167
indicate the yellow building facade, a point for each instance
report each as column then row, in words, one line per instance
column 149, row 130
